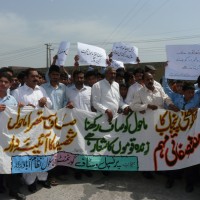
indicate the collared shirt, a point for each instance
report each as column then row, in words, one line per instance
column 81, row 99
column 196, row 87
column 57, row 95
column 27, row 95
column 8, row 100
column 145, row 96
column 131, row 92
column 106, row 96
column 183, row 105
column 173, row 95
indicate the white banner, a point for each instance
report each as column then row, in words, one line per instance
column 62, row 53
column 117, row 64
column 34, row 141
column 183, row 62
column 91, row 55
column 124, row 53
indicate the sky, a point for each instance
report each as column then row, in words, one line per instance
column 27, row 25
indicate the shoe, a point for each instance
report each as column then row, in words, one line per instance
column 148, row 175
column 45, row 184
column 189, row 188
column 32, row 188
column 17, row 195
column 169, row 183
column 78, row 176
column 53, row 181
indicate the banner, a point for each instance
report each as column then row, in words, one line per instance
column 183, row 62
column 124, row 53
column 62, row 53
column 117, row 64
column 38, row 140
column 91, row 55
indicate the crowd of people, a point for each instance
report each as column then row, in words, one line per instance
column 110, row 93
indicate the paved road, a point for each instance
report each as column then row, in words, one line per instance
column 116, row 186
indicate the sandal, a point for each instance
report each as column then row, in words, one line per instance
column 53, row 182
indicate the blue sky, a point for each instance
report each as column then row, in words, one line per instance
column 26, row 25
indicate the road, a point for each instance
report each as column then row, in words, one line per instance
column 116, row 186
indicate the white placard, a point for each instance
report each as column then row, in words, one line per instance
column 91, row 55
column 183, row 62
column 117, row 64
column 125, row 53
column 62, row 53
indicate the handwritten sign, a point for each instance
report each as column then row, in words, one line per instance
column 39, row 140
column 91, row 55
column 62, row 53
column 117, row 64
column 124, row 53
column 183, row 62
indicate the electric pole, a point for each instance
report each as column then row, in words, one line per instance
column 48, row 56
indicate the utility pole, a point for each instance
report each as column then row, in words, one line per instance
column 48, row 58
column 50, row 49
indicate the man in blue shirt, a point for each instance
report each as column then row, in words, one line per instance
column 55, row 90
column 13, row 180
column 188, row 101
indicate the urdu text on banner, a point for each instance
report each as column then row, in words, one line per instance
column 39, row 140
column 125, row 53
column 91, row 55
column 183, row 62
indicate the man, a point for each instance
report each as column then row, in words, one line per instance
column 152, row 70
column 13, row 180
column 173, row 95
column 189, row 100
column 79, row 96
column 151, row 97
column 106, row 96
column 132, row 89
column 91, row 77
column 138, row 73
column 55, row 90
column 14, row 84
column 30, row 94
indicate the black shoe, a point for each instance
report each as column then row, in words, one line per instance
column 88, row 173
column 189, row 188
column 32, row 188
column 148, row 175
column 78, row 176
column 45, row 184
column 169, row 183
column 17, row 195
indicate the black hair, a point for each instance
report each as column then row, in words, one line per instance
column 123, row 85
column 54, row 68
column 6, row 75
column 21, row 75
column 76, row 72
column 91, row 73
column 6, row 69
column 120, row 74
column 27, row 72
column 138, row 70
column 188, row 86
